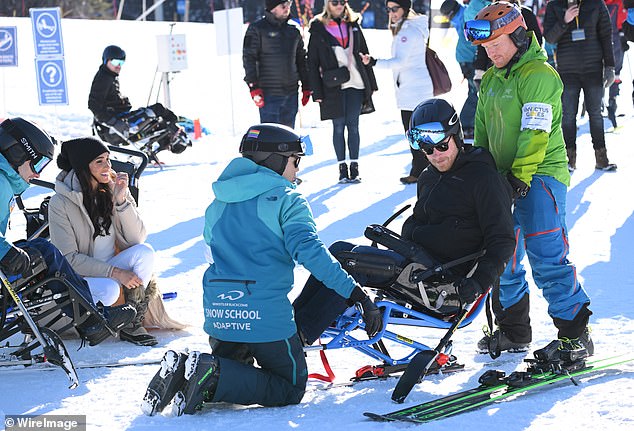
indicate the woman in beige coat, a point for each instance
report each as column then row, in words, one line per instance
column 94, row 222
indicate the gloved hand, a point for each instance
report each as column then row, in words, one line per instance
column 608, row 76
column 258, row 97
column 306, row 97
column 468, row 290
column 372, row 316
column 19, row 261
column 520, row 188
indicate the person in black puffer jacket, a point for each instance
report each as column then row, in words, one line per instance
column 274, row 60
column 585, row 61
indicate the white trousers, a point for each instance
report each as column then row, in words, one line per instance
column 139, row 259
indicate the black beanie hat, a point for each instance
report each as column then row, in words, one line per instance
column 270, row 4
column 405, row 4
column 77, row 153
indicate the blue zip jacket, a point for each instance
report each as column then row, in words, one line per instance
column 465, row 51
column 11, row 183
column 257, row 228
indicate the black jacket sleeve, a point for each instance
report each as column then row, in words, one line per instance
column 493, row 208
column 302, row 65
column 604, row 32
column 99, row 91
column 554, row 25
column 250, row 53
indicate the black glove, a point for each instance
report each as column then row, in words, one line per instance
column 372, row 316
column 468, row 290
column 19, row 261
column 520, row 188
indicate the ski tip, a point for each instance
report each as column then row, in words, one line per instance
column 377, row 417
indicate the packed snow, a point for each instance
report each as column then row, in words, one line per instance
column 173, row 201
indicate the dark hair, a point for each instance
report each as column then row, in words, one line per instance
column 99, row 202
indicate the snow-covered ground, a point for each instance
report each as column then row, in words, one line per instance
column 600, row 220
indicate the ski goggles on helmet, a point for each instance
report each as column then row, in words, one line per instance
column 477, row 29
column 427, row 137
column 117, row 62
column 39, row 164
column 482, row 29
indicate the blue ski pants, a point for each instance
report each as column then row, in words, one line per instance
column 540, row 232
column 279, row 380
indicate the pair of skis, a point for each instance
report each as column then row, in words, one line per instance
column 495, row 386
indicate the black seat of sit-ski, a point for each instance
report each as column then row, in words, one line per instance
column 130, row 161
column 419, row 283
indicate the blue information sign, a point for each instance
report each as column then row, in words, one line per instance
column 8, row 46
column 47, row 31
column 51, row 81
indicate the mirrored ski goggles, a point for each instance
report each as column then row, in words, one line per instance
column 39, row 164
column 427, row 137
column 477, row 29
column 117, row 62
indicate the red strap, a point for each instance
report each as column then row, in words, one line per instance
column 330, row 377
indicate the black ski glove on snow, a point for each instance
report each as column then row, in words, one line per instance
column 19, row 261
column 520, row 188
column 468, row 290
column 372, row 316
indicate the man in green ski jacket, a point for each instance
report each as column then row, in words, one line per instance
column 518, row 119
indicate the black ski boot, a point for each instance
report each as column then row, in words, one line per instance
column 94, row 331
column 201, row 371
column 165, row 383
column 567, row 350
column 500, row 342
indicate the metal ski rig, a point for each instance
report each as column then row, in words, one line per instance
column 54, row 350
column 496, row 386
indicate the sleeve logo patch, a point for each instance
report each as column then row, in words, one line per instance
column 537, row 116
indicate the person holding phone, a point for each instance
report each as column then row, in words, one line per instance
column 585, row 62
column 95, row 223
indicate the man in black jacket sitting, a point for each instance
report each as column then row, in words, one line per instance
column 463, row 207
column 274, row 60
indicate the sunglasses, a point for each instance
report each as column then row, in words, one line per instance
column 296, row 160
column 427, row 137
column 338, row 2
column 392, row 9
column 117, row 62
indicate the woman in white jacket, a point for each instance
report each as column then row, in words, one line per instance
column 412, row 82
